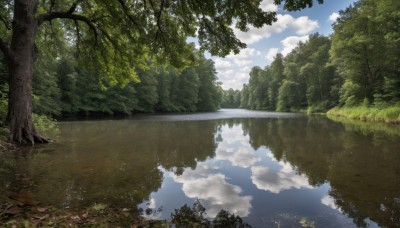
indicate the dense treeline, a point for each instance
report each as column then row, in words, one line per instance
column 230, row 98
column 359, row 65
column 63, row 87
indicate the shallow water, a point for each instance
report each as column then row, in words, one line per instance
column 271, row 169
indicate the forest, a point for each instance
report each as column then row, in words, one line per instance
column 79, row 64
column 356, row 69
column 61, row 88
column 118, row 82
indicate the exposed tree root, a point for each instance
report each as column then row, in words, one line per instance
column 40, row 139
column 29, row 139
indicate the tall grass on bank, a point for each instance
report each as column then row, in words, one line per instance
column 387, row 115
column 366, row 128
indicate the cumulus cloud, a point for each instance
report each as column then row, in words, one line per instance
column 227, row 68
column 276, row 181
column 333, row 17
column 289, row 43
column 268, row 6
column 301, row 25
column 330, row 202
column 234, row 78
column 222, row 65
column 244, row 57
column 271, row 53
column 235, row 148
column 213, row 191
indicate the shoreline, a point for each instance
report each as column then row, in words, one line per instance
column 389, row 115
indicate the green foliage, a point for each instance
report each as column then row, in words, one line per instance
column 190, row 216
column 194, row 216
column 226, row 219
column 363, row 127
column 231, row 98
column 209, row 97
column 363, row 49
column 46, row 93
column 302, row 80
column 358, row 66
column 146, row 91
column 3, row 103
column 387, row 115
column 99, row 207
column 287, row 99
column 45, row 125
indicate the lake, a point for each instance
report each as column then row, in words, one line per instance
column 271, row 169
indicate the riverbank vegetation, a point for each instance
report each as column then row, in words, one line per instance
column 387, row 115
column 356, row 69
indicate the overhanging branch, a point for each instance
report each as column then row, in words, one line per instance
column 66, row 15
column 126, row 11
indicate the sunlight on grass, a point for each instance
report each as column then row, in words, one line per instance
column 387, row 115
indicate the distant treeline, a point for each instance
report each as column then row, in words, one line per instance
column 358, row 65
column 62, row 87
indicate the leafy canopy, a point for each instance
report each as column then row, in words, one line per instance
column 115, row 36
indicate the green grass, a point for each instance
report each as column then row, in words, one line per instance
column 367, row 127
column 387, row 115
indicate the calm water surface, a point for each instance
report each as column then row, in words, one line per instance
column 271, row 169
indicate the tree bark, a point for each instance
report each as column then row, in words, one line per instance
column 21, row 70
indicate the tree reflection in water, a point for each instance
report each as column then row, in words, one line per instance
column 195, row 217
column 360, row 166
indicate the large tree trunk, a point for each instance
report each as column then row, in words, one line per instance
column 21, row 71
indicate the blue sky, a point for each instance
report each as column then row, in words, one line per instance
column 281, row 37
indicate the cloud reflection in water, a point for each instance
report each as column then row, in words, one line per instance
column 235, row 147
column 213, row 191
column 277, row 181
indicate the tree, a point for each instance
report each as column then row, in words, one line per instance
column 276, row 71
column 116, row 36
column 231, row 98
column 147, row 91
column 209, row 96
column 186, row 91
column 365, row 47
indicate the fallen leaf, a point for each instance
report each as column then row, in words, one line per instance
column 41, row 209
column 41, row 217
column 85, row 215
column 76, row 218
column 14, row 210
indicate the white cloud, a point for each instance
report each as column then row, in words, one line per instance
column 302, row 25
column 228, row 71
column 268, row 6
column 333, row 17
column 233, row 78
column 221, row 65
column 235, row 148
column 213, row 191
column 289, row 43
column 277, row 181
column 244, row 57
column 271, row 53
column 330, row 202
